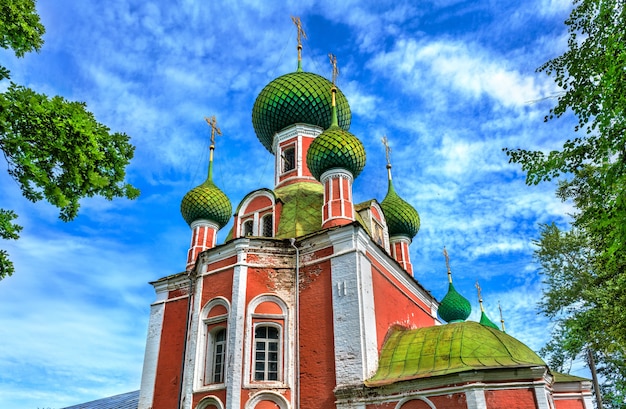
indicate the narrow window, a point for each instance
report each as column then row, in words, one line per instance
column 248, row 227
column 289, row 158
column 266, row 353
column 268, row 225
column 378, row 233
column 219, row 355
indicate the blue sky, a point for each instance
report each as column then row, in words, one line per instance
column 449, row 82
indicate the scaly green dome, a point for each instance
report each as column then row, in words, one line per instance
column 446, row 349
column 402, row 219
column 208, row 202
column 335, row 148
column 298, row 97
column 454, row 307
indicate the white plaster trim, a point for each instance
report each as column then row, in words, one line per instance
column 204, row 222
column 354, row 316
column 210, row 400
column 335, row 173
column 151, row 356
column 421, row 398
column 189, row 361
column 255, row 215
column 475, row 398
column 236, row 321
column 257, row 398
column 297, row 131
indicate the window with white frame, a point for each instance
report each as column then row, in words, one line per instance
column 267, row 353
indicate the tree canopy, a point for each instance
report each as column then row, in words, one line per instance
column 585, row 268
column 54, row 148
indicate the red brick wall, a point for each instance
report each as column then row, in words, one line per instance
column 167, row 383
column 511, row 399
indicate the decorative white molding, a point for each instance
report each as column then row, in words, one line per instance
column 151, row 356
column 259, row 397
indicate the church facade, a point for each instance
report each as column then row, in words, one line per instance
column 311, row 300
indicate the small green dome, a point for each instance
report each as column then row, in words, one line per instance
column 298, row 97
column 208, row 202
column 335, row 148
column 448, row 349
column 454, row 307
column 402, row 218
column 484, row 320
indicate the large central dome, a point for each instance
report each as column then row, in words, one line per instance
column 298, row 97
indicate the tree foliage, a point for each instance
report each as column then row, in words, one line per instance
column 54, row 148
column 585, row 268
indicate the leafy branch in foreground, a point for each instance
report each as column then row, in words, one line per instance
column 54, row 148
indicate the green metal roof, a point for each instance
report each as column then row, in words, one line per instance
column 335, row 148
column 402, row 218
column 447, row 349
column 302, row 209
column 454, row 307
column 208, row 202
column 563, row 377
column 297, row 97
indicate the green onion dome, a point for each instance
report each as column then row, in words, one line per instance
column 484, row 320
column 335, row 148
column 207, row 202
column 454, row 307
column 402, row 219
column 298, row 97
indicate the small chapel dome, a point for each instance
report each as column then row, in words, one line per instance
column 454, row 307
column 402, row 218
column 207, row 202
column 298, row 97
column 335, row 148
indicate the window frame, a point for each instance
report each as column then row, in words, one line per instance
column 267, row 341
column 291, row 147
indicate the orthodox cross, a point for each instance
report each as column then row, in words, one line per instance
column 445, row 254
column 214, row 129
column 301, row 33
column 333, row 62
column 387, row 149
column 480, row 298
column 501, row 319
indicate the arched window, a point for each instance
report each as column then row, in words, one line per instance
column 267, row 224
column 267, row 353
column 267, row 342
column 213, row 338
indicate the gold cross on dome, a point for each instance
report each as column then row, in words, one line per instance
column 301, row 33
column 333, row 62
column 387, row 149
column 445, row 254
column 214, row 129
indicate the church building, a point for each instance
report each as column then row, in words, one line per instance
column 311, row 301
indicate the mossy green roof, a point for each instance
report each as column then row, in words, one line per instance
column 563, row 377
column 447, row 349
column 335, row 148
column 402, row 219
column 302, row 209
column 208, row 202
column 454, row 307
column 297, row 97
